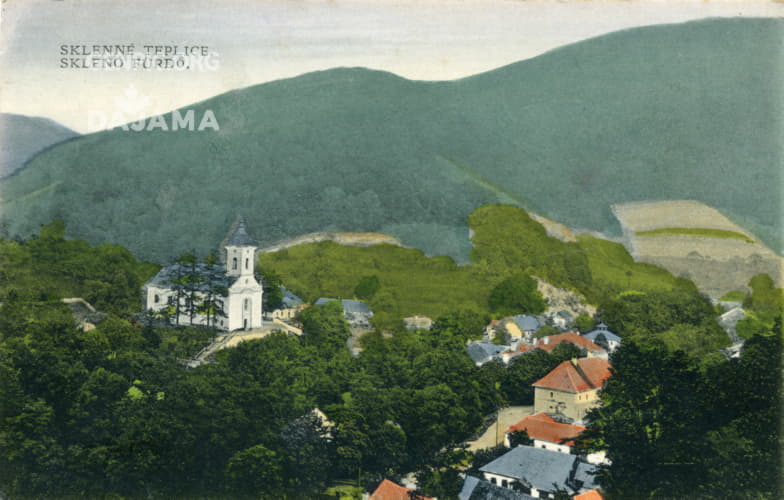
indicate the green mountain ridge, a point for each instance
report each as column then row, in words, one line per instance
column 21, row 137
column 688, row 111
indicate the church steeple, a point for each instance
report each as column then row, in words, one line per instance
column 239, row 250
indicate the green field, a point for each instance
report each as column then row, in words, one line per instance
column 690, row 231
column 506, row 241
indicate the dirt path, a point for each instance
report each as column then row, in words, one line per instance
column 495, row 433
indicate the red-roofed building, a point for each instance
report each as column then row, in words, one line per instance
column 508, row 356
column 589, row 495
column 546, row 432
column 592, row 349
column 388, row 490
column 572, row 388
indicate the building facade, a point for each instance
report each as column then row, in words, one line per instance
column 225, row 296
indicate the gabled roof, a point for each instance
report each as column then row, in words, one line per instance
column 549, row 343
column 543, row 469
column 289, row 299
column 210, row 277
column 477, row 489
column 388, row 490
column 578, row 375
column 480, row 351
column 239, row 236
column 544, row 428
column 589, row 495
column 526, row 323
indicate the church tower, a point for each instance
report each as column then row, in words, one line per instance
column 239, row 251
column 244, row 302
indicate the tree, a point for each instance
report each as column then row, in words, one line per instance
column 519, row 438
column 367, row 287
column 309, row 454
column 649, row 423
column 325, row 326
column 255, row 471
column 584, row 323
column 516, row 295
column 566, row 351
column 523, row 371
column 273, row 296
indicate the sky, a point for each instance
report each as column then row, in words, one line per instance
column 248, row 42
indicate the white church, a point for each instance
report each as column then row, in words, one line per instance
column 239, row 294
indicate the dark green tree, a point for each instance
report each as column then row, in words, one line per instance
column 516, row 295
column 367, row 287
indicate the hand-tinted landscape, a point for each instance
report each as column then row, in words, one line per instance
column 670, row 112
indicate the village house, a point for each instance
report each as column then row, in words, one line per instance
column 540, row 473
column 572, row 388
column 584, row 344
column 388, row 490
column 550, row 434
column 546, row 432
column 484, row 352
column 604, row 338
column 228, row 296
column 357, row 313
column 290, row 306
column 477, row 489
column 417, row 323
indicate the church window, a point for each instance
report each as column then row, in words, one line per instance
column 234, row 263
column 157, row 298
column 247, row 304
column 247, row 262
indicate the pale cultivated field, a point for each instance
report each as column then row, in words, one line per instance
column 648, row 215
column 716, row 265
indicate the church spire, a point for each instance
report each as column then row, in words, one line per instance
column 240, row 236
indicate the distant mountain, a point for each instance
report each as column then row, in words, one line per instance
column 687, row 111
column 21, row 137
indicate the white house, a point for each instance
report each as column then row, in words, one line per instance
column 227, row 296
column 540, row 473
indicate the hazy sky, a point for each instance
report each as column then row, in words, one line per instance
column 253, row 41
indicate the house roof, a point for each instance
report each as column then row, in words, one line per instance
column 543, row 469
column 214, row 276
column 549, row 343
column 601, row 328
column 480, row 351
column 588, row 495
column 289, row 299
column 239, row 236
column 477, row 489
column 388, row 490
column 522, row 349
column 577, row 375
column 349, row 306
column 526, row 323
column 585, row 476
column 544, row 428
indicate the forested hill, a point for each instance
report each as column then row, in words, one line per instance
column 688, row 111
column 21, row 137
